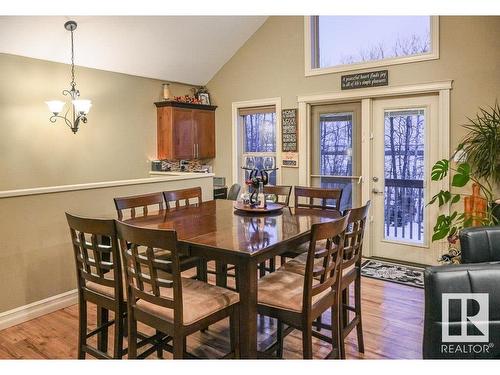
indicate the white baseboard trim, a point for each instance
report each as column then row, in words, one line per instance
column 33, row 310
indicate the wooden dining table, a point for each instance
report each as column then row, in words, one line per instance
column 214, row 230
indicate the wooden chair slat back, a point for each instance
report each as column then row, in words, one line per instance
column 96, row 252
column 148, row 274
column 317, row 198
column 184, row 196
column 327, row 244
column 353, row 243
column 138, row 201
column 281, row 192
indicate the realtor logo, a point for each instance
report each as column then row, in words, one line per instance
column 465, row 317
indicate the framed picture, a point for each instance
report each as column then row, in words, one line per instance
column 204, row 98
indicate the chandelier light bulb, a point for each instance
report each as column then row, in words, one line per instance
column 55, row 106
column 82, row 106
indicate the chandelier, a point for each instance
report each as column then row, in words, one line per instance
column 80, row 107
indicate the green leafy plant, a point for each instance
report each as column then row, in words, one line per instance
column 482, row 144
column 449, row 225
column 481, row 150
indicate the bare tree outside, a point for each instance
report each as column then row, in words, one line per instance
column 409, row 46
column 259, row 141
column 404, row 172
column 344, row 40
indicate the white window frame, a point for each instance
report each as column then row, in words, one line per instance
column 311, row 30
column 237, row 135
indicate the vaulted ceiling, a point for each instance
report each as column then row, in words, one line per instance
column 188, row 49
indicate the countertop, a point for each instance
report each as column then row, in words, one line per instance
column 182, row 175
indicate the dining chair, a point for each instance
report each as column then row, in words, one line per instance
column 312, row 198
column 160, row 298
column 100, row 282
column 184, row 196
column 351, row 274
column 280, row 193
column 133, row 204
column 233, row 192
column 298, row 300
column 312, row 195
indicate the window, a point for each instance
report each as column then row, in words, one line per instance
column 339, row 43
column 258, row 130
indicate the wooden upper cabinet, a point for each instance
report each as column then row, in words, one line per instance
column 185, row 131
column 204, row 133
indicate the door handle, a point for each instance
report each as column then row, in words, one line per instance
column 377, row 191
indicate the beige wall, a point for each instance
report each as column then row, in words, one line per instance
column 36, row 255
column 120, row 136
column 115, row 144
column 271, row 64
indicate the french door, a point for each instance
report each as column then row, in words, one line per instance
column 405, row 145
column 335, row 150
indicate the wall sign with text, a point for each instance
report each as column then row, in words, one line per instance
column 368, row 79
column 290, row 159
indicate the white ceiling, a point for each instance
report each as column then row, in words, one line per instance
column 188, row 49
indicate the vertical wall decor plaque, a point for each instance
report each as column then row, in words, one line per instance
column 289, row 130
column 289, row 137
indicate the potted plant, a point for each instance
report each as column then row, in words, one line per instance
column 478, row 162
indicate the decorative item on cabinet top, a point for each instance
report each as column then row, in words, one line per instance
column 200, row 96
column 174, row 103
column 201, row 93
column 167, row 95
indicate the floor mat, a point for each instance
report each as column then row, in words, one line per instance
column 393, row 272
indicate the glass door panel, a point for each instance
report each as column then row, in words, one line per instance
column 335, row 150
column 404, row 173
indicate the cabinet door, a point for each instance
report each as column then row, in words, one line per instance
column 183, row 134
column 164, row 133
column 204, row 124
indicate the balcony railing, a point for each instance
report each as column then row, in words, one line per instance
column 404, row 210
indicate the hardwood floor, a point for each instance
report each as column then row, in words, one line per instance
column 392, row 323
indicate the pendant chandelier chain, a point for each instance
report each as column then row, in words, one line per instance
column 73, row 83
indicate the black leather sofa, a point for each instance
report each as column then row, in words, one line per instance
column 478, row 273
